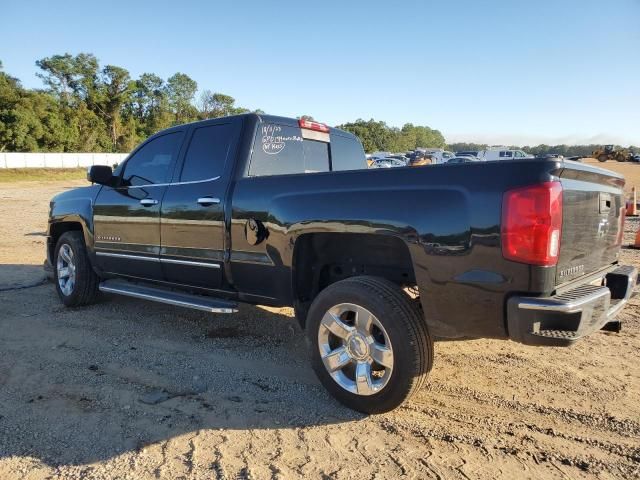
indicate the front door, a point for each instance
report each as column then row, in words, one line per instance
column 192, row 223
column 127, row 217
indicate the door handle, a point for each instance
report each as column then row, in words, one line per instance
column 206, row 201
column 147, row 202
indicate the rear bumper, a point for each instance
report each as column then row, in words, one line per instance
column 562, row 319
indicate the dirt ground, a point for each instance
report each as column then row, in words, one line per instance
column 134, row 390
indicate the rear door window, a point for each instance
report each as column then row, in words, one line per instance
column 207, row 152
column 281, row 150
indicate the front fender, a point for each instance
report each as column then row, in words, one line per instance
column 74, row 206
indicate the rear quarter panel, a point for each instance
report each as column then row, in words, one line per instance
column 447, row 215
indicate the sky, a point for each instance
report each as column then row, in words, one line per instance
column 495, row 71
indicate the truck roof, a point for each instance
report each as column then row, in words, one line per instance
column 288, row 121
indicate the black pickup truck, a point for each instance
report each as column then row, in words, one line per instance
column 377, row 263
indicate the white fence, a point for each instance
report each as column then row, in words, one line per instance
column 58, row 160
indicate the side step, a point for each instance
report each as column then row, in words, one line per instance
column 162, row 295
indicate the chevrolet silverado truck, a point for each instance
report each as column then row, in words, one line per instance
column 376, row 263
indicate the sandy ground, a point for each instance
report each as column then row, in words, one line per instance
column 128, row 389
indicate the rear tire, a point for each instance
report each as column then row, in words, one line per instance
column 353, row 324
column 75, row 280
column 603, row 158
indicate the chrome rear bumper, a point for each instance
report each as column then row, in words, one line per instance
column 562, row 319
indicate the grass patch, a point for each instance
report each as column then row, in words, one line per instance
column 11, row 175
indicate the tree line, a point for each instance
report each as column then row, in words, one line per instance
column 86, row 107
column 542, row 149
column 378, row 136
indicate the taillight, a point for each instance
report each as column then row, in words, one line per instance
column 311, row 125
column 532, row 223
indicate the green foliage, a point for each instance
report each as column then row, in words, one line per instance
column 378, row 136
column 88, row 108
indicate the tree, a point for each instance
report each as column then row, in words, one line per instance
column 215, row 105
column 377, row 136
column 70, row 78
column 115, row 90
column 180, row 90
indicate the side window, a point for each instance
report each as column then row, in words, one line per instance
column 151, row 163
column 347, row 154
column 281, row 150
column 207, row 153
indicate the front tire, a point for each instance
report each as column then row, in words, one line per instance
column 75, row 280
column 370, row 346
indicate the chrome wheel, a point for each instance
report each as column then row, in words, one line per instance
column 355, row 349
column 66, row 270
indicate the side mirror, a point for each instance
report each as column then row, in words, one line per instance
column 101, row 174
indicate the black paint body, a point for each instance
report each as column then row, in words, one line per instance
column 445, row 219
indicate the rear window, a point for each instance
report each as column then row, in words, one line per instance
column 282, row 150
column 347, row 153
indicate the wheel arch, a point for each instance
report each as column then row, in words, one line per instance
column 67, row 224
column 323, row 258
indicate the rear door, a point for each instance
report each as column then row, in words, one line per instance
column 192, row 220
column 127, row 218
column 592, row 212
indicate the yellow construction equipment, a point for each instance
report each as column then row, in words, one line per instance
column 609, row 152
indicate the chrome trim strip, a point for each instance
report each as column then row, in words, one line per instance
column 550, row 304
column 190, row 262
column 174, row 183
column 130, row 257
column 161, row 260
column 169, row 301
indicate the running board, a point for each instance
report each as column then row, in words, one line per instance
column 162, row 295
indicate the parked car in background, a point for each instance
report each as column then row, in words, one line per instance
column 473, row 153
column 377, row 155
column 437, row 155
column 502, row 153
column 465, row 159
column 400, row 157
column 387, row 163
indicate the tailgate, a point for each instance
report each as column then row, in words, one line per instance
column 592, row 214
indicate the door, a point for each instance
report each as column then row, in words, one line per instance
column 192, row 223
column 127, row 218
